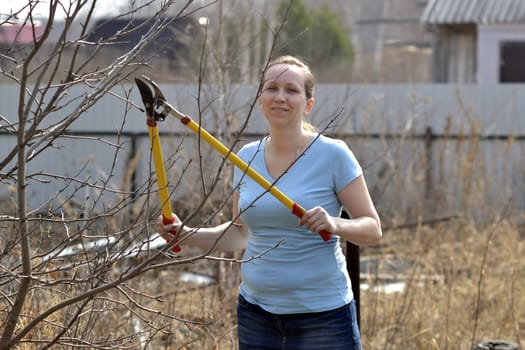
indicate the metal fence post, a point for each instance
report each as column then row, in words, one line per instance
column 352, row 266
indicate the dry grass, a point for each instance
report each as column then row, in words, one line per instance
column 479, row 296
column 464, row 284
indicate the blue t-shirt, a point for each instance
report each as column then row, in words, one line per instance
column 304, row 273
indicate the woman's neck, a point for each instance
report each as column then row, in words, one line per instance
column 287, row 142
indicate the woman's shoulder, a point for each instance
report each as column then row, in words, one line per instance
column 252, row 147
column 331, row 143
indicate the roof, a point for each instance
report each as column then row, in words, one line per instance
column 474, row 12
column 21, row 34
column 124, row 34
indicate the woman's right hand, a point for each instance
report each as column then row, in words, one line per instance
column 168, row 231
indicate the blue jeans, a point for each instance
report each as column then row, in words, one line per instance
column 330, row 330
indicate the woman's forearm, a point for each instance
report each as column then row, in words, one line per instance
column 360, row 231
column 229, row 236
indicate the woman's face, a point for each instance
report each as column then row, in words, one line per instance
column 283, row 98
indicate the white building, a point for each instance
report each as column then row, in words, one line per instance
column 477, row 41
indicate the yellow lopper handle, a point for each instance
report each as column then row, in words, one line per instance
column 162, row 182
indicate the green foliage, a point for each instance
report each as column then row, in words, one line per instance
column 317, row 35
column 296, row 36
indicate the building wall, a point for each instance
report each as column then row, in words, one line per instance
column 392, row 44
column 488, row 51
column 454, row 54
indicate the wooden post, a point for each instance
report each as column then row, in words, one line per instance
column 429, row 139
column 352, row 266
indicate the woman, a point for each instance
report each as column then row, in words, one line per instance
column 295, row 293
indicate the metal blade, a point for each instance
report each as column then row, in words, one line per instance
column 147, row 96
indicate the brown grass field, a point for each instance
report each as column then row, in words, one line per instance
column 464, row 284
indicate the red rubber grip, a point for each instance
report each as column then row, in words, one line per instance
column 166, row 221
column 298, row 211
column 325, row 235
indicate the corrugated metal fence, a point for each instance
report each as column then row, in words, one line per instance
column 427, row 149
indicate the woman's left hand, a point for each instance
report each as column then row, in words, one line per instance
column 317, row 220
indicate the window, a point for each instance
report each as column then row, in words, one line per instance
column 512, row 58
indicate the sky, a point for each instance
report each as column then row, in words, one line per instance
column 103, row 7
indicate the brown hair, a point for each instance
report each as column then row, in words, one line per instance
column 309, row 79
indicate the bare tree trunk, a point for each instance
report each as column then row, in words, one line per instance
column 25, row 279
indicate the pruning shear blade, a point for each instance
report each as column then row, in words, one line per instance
column 153, row 100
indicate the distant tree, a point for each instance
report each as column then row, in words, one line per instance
column 244, row 37
column 245, row 41
column 318, row 35
column 330, row 34
column 296, row 34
